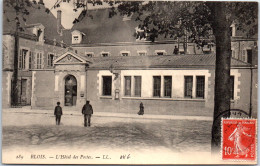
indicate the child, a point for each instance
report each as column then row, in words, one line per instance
column 58, row 113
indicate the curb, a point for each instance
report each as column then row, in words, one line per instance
column 116, row 115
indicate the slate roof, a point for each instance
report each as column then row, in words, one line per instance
column 167, row 61
column 102, row 29
column 36, row 16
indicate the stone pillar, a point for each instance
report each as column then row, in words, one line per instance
column 33, row 97
column 82, row 96
column 57, row 89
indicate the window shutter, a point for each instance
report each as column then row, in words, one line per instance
column 40, row 60
column 37, row 61
column 48, row 60
column 30, row 60
column 20, row 59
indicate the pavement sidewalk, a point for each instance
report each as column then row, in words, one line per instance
column 107, row 114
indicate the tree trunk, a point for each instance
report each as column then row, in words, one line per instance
column 222, row 34
column 14, row 87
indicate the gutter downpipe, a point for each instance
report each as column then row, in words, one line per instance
column 251, row 81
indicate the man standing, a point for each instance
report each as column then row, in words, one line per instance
column 176, row 50
column 87, row 111
column 58, row 113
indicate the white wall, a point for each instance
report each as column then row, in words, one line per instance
column 177, row 82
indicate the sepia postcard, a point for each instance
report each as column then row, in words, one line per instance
column 129, row 82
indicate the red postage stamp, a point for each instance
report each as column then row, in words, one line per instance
column 239, row 139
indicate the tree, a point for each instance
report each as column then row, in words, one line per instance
column 202, row 22
column 20, row 7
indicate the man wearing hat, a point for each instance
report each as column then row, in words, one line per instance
column 58, row 113
column 87, row 111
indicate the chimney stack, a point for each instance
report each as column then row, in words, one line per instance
column 59, row 30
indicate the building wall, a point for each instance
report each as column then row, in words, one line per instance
column 239, row 50
column 25, row 74
column 134, row 49
column 243, row 92
column 6, row 88
column 177, row 104
column 78, row 71
column 7, row 66
column 8, row 51
column 45, row 49
column 43, row 89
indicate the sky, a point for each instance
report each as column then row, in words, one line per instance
column 68, row 15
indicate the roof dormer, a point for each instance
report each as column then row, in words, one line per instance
column 37, row 30
column 233, row 29
column 76, row 37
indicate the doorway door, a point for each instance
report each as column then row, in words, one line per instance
column 249, row 56
column 70, row 90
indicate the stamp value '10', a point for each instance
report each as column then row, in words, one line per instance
column 239, row 139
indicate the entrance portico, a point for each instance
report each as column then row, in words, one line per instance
column 70, row 80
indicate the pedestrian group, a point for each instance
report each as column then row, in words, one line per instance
column 87, row 111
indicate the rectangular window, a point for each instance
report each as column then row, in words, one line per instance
column 200, row 86
column 76, row 38
column 105, row 54
column 160, row 52
column 188, row 86
column 24, row 52
column 22, row 58
column 50, row 59
column 142, row 53
column 138, row 85
column 107, row 86
column 39, row 60
column 232, row 84
column 89, row 54
column 30, row 60
column 167, row 86
column 156, row 86
column 127, row 85
column 125, row 54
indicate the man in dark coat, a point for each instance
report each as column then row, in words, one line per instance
column 176, row 50
column 87, row 111
column 58, row 113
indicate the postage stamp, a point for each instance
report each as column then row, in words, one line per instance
column 239, row 139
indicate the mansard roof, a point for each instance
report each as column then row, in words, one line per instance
column 202, row 61
column 99, row 28
column 36, row 17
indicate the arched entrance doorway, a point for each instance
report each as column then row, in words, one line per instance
column 70, row 90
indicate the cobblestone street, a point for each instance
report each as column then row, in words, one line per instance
column 39, row 130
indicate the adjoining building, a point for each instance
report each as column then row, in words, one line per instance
column 110, row 62
column 122, row 36
column 181, row 84
column 39, row 43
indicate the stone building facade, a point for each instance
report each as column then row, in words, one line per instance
column 102, row 61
